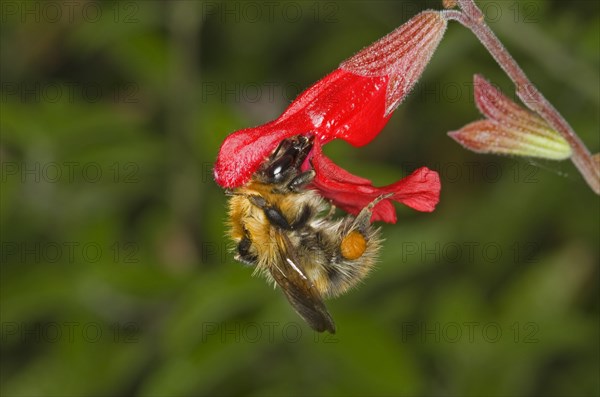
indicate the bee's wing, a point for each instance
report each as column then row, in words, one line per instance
column 289, row 274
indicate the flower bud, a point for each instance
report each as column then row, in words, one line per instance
column 509, row 128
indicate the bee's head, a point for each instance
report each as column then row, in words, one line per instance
column 285, row 162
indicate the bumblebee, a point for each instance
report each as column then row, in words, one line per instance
column 287, row 232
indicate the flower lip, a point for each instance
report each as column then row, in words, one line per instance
column 420, row 190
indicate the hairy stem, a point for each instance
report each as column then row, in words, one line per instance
column 472, row 18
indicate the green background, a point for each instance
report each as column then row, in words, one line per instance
column 116, row 279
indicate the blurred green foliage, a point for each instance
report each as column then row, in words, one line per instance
column 116, row 279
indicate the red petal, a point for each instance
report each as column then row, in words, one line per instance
column 341, row 105
column 420, row 190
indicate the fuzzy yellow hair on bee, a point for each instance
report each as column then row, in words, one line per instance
column 287, row 233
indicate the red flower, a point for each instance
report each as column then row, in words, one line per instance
column 352, row 103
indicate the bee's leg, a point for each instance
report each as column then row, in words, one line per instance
column 301, row 180
column 354, row 244
column 363, row 219
column 305, row 214
column 273, row 214
column 276, row 217
column 244, row 253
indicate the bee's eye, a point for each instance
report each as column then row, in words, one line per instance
column 279, row 167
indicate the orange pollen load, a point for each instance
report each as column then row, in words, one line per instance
column 353, row 245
